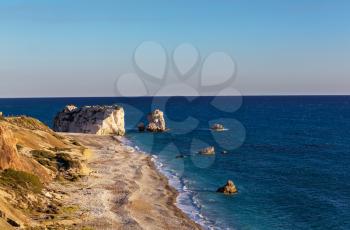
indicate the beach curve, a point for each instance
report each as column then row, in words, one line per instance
column 124, row 190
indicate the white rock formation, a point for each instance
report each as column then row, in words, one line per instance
column 100, row 120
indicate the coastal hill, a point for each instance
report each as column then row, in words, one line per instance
column 31, row 157
column 52, row 180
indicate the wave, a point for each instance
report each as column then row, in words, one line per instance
column 186, row 199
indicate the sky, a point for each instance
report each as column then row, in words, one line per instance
column 83, row 48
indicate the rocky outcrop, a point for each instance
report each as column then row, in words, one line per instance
column 156, row 121
column 8, row 151
column 229, row 188
column 207, row 151
column 100, row 120
column 218, row 127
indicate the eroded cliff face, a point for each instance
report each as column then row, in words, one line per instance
column 32, row 157
column 100, row 120
column 8, row 152
column 10, row 158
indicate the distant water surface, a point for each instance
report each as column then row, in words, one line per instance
column 288, row 156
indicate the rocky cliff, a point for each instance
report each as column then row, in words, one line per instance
column 8, row 151
column 100, row 120
column 10, row 158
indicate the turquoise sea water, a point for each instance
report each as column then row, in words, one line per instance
column 288, row 156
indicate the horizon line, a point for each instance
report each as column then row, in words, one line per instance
column 159, row 96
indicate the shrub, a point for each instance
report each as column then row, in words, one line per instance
column 66, row 161
column 20, row 179
column 74, row 142
column 43, row 154
column 58, row 149
column 55, row 161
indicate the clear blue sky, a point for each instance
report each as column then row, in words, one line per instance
column 79, row 48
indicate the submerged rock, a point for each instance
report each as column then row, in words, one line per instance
column 207, row 151
column 218, row 127
column 141, row 127
column 156, row 121
column 229, row 188
column 100, row 120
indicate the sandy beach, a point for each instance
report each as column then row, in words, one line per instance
column 123, row 190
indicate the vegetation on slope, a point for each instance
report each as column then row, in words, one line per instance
column 28, row 123
column 39, row 157
column 20, row 180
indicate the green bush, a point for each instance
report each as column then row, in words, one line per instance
column 55, row 161
column 20, row 179
column 58, row 149
column 74, row 142
column 66, row 161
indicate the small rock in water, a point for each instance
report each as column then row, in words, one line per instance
column 229, row 188
column 141, row 127
column 207, row 151
column 224, row 152
column 180, row 156
column 218, row 127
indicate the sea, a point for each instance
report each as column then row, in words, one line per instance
column 289, row 156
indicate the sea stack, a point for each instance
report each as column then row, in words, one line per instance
column 156, row 121
column 100, row 120
column 228, row 189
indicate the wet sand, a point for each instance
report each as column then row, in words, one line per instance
column 123, row 190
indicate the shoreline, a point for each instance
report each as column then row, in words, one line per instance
column 173, row 189
column 176, row 183
column 127, row 188
column 184, row 200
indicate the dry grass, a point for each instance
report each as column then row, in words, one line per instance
column 28, row 123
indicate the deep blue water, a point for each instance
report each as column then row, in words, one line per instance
column 288, row 156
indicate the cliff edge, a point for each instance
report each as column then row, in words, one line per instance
column 100, row 120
